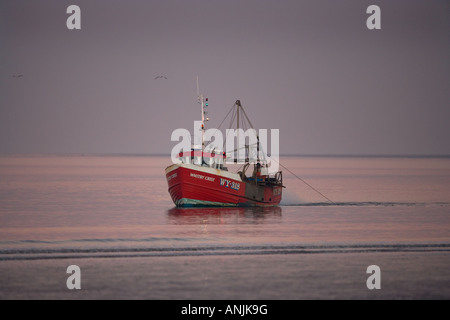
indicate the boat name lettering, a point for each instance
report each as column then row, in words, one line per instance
column 230, row 184
column 199, row 176
column 171, row 176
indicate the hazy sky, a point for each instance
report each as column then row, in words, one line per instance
column 309, row 68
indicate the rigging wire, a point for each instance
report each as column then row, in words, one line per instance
column 302, row 180
column 233, row 116
column 222, row 123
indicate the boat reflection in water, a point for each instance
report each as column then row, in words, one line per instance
column 224, row 215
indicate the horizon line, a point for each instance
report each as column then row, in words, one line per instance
column 311, row 155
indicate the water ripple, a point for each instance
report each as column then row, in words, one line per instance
column 78, row 253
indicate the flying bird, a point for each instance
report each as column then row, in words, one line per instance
column 160, row 77
column 17, row 75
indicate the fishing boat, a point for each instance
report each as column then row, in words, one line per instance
column 201, row 177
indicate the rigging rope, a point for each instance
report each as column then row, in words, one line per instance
column 221, row 124
column 233, row 116
column 324, row 196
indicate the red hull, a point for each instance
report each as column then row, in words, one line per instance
column 191, row 185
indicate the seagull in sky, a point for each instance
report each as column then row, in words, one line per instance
column 160, row 77
column 17, row 75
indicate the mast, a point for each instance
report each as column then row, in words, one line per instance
column 200, row 100
column 204, row 105
column 238, row 104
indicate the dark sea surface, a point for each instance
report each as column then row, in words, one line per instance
column 113, row 217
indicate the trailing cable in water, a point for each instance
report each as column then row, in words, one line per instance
column 324, row 196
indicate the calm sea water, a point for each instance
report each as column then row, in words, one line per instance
column 113, row 217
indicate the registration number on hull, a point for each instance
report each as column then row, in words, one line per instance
column 230, row 184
